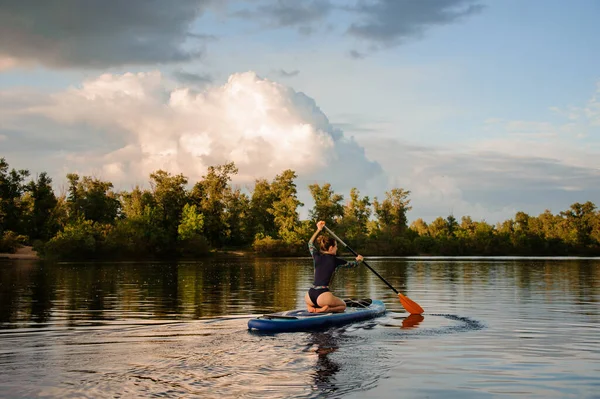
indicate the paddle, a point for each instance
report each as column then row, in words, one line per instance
column 411, row 306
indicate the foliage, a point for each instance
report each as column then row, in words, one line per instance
column 11, row 241
column 277, row 247
column 262, row 219
column 354, row 223
column 285, row 206
column 80, row 240
column 91, row 199
column 209, row 194
column 93, row 221
column 327, row 206
column 42, row 222
column 12, row 188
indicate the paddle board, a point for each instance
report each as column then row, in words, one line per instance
column 302, row 320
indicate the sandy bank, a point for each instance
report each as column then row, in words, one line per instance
column 22, row 253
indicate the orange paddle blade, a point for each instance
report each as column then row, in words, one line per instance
column 411, row 306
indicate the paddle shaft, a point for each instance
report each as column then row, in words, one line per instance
column 355, row 254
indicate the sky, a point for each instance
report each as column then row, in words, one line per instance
column 478, row 108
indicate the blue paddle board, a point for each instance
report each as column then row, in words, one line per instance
column 302, row 320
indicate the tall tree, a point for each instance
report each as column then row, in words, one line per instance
column 452, row 225
column 42, row 222
column 12, row 188
column 391, row 212
column 545, row 225
column 92, row 199
column 356, row 216
column 261, row 207
column 210, row 194
column 170, row 197
column 522, row 222
column 580, row 223
column 420, row 227
column 439, row 228
column 133, row 203
column 236, row 217
column 328, row 205
column 192, row 223
column 285, row 207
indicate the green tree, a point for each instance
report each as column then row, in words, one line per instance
column 192, row 242
column 92, row 199
column 483, row 239
column 391, row 212
column 285, row 207
column 439, row 228
column 467, row 225
column 452, row 225
column 420, row 227
column 133, row 203
column 579, row 223
column 192, row 223
column 356, row 216
column 79, row 240
column 328, row 206
column 210, row 193
column 236, row 218
column 261, row 209
column 12, row 188
column 170, row 196
column 42, row 223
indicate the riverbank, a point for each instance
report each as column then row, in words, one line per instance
column 22, row 253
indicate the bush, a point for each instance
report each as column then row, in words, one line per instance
column 275, row 247
column 425, row 245
column 11, row 241
column 78, row 241
column 194, row 246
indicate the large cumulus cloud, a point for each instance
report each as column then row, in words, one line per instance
column 135, row 123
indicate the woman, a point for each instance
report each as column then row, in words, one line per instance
column 318, row 298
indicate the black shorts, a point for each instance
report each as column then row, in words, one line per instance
column 314, row 293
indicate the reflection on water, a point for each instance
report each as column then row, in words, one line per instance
column 412, row 320
column 492, row 327
column 326, row 367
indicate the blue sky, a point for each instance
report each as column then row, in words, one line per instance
column 479, row 108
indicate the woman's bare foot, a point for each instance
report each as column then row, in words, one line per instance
column 312, row 309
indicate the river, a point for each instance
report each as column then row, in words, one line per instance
column 493, row 327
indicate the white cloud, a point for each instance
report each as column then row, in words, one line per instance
column 490, row 181
column 526, row 166
column 123, row 127
column 262, row 126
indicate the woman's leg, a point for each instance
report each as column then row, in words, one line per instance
column 311, row 307
column 333, row 303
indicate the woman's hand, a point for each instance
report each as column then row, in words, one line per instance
column 359, row 258
column 320, row 225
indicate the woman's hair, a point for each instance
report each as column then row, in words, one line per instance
column 325, row 242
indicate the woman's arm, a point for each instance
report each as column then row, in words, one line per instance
column 320, row 225
column 351, row 263
column 311, row 245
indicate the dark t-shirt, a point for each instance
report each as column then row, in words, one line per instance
column 325, row 265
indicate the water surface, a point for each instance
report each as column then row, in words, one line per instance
column 492, row 328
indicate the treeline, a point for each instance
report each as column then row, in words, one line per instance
column 177, row 219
